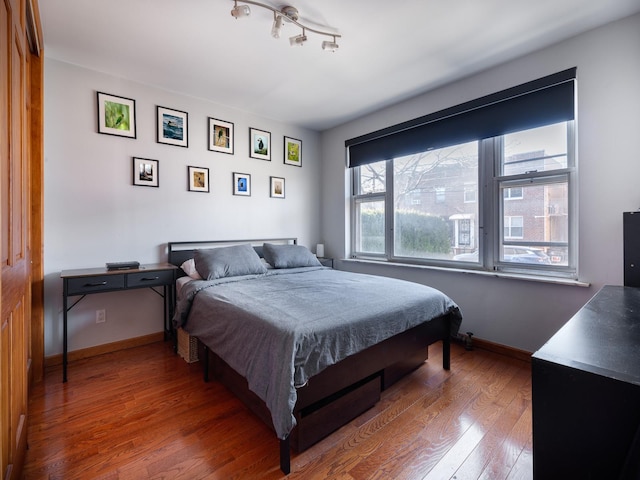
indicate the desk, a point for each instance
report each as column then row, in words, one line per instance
column 100, row 280
column 586, row 392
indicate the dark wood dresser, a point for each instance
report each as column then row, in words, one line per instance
column 586, row 392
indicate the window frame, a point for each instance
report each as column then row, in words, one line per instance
column 494, row 237
column 369, row 197
column 490, row 229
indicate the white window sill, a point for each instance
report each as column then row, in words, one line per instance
column 514, row 276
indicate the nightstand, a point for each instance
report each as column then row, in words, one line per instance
column 87, row 281
column 326, row 262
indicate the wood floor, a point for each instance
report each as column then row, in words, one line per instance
column 144, row 413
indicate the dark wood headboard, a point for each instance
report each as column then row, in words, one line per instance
column 179, row 252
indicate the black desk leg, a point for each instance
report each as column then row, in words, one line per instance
column 164, row 311
column 64, row 333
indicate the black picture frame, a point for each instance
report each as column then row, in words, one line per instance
column 198, row 179
column 146, row 172
column 242, row 184
column 276, row 187
column 221, row 136
column 172, row 127
column 259, row 144
column 292, row 151
column 116, row 115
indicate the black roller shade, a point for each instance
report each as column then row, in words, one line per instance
column 540, row 102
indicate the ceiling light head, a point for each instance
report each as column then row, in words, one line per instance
column 240, row 11
column 298, row 40
column 290, row 13
column 277, row 26
column 330, row 46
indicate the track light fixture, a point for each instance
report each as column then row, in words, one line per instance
column 330, row 46
column 286, row 14
column 277, row 26
column 240, row 11
column 298, row 40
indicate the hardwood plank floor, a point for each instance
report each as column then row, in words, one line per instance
column 144, row 413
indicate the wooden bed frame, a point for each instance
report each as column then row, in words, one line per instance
column 342, row 391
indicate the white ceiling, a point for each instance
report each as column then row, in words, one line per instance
column 389, row 50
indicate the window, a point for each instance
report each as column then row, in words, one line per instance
column 513, row 193
column 534, row 166
column 369, row 215
column 463, row 234
column 470, row 193
column 431, row 229
column 433, row 221
column 513, row 227
column 500, row 201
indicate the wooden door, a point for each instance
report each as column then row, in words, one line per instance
column 15, row 218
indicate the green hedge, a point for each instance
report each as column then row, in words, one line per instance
column 416, row 233
column 372, row 231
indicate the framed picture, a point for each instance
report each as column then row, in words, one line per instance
column 259, row 144
column 116, row 115
column 293, row 151
column 241, row 184
column 220, row 136
column 198, row 179
column 173, row 127
column 277, row 187
column 145, row 172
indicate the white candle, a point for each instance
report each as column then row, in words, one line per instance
column 320, row 250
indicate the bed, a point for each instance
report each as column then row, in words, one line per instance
column 306, row 347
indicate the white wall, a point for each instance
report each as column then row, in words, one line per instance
column 93, row 213
column 524, row 314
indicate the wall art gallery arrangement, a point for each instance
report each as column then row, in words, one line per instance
column 117, row 116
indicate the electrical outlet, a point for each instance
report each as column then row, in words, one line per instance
column 101, row 316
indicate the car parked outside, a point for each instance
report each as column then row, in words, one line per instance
column 512, row 254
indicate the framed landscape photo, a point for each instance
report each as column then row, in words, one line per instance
column 116, row 115
column 241, row 184
column 173, row 127
column 145, row 172
column 259, row 144
column 198, row 179
column 276, row 188
column 220, row 136
column 293, row 151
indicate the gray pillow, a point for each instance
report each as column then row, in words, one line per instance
column 232, row 261
column 289, row 256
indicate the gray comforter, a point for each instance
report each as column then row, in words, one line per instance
column 279, row 329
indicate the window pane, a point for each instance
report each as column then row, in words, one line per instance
column 514, row 192
column 471, row 192
column 528, row 255
column 370, row 227
column 539, row 222
column 536, row 150
column 434, row 217
column 372, row 178
column 513, row 227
